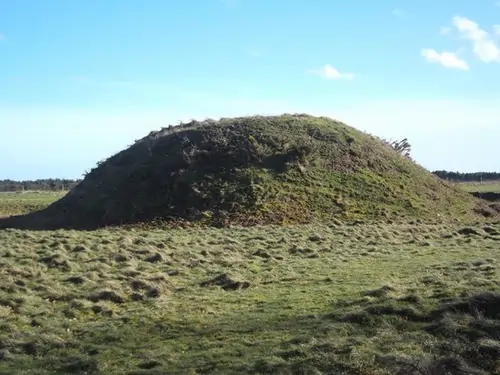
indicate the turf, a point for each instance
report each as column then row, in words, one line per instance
column 289, row 169
column 303, row 299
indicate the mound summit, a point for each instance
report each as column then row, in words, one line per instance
column 253, row 170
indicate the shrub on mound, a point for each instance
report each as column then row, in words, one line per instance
column 253, row 170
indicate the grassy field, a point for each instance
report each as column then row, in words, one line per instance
column 481, row 187
column 333, row 299
column 15, row 203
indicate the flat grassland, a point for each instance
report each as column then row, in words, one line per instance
column 16, row 203
column 481, row 187
column 360, row 299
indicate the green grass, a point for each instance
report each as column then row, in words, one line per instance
column 481, row 187
column 17, row 203
column 303, row 299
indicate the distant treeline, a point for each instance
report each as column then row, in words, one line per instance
column 465, row 177
column 56, row 184
column 49, row 184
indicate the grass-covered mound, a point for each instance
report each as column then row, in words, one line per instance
column 253, row 170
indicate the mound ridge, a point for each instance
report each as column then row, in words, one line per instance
column 253, row 170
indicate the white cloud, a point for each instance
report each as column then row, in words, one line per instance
column 447, row 59
column 329, row 72
column 484, row 47
column 496, row 28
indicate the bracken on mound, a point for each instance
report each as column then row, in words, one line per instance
column 253, row 170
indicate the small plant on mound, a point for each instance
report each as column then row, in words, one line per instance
column 403, row 146
column 254, row 170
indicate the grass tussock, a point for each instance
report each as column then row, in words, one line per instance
column 353, row 299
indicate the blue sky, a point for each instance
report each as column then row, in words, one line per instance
column 81, row 80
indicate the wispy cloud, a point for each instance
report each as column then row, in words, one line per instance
column 446, row 59
column 483, row 44
column 329, row 72
column 145, row 88
column 253, row 52
column 231, row 3
column 445, row 30
column 205, row 102
column 117, row 128
column 398, row 13
column 496, row 28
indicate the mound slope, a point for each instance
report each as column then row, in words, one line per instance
column 253, row 170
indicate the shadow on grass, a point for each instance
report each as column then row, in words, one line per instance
column 466, row 329
column 489, row 196
column 42, row 220
column 466, row 334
